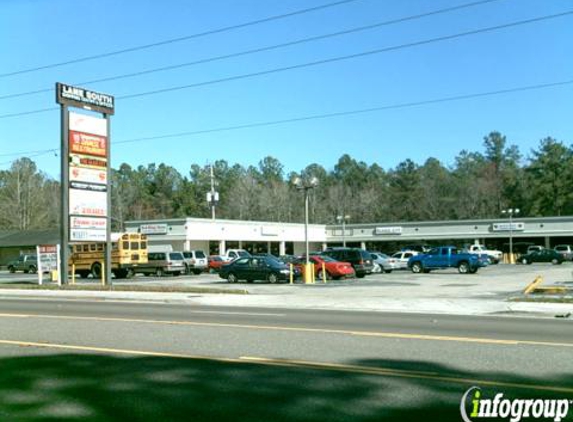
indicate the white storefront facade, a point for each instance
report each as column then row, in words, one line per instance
column 216, row 236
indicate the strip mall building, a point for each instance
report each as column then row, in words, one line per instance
column 216, row 236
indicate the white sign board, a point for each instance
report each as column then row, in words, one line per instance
column 88, row 175
column 388, row 230
column 88, row 124
column 505, row 227
column 87, row 235
column 48, row 260
column 153, row 229
column 88, row 203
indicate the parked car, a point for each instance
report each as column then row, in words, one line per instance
column 447, row 257
column 360, row 259
column 416, row 248
column 195, row 261
column 255, row 268
column 494, row 255
column 401, row 259
column 534, row 248
column 26, row 263
column 215, row 262
column 334, row 269
column 383, row 262
column 161, row 263
column 231, row 254
column 544, row 255
column 566, row 251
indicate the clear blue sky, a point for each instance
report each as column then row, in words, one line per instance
column 40, row 32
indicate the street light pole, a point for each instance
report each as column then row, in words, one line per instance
column 343, row 218
column 305, row 185
column 510, row 212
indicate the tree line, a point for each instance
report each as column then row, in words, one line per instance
column 477, row 185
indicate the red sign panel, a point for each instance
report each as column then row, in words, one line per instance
column 88, row 144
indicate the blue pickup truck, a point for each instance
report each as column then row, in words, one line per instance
column 446, row 257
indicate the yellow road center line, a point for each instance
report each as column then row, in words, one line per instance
column 405, row 336
column 296, row 364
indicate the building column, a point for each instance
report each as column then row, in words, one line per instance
column 222, row 247
column 187, row 245
column 324, row 246
column 240, row 244
column 362, row 245
column 268, row 247
column 547, row 242
column 282, row 248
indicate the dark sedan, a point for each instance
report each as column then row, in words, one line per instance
column 544, row 255
column 256, row 268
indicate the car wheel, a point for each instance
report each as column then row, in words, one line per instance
column 322, row 275
column 473, row 270
column 232, row 278
column 84, row 274
column 416, row 268
column 32, row 269
column 360, row 275
column 159, row 272
column 197, row 272
column 524, row 261
column 555, row 261
column 11, row 269
column 272, row 278
column 463, row 268
column 176, row 273
column 96, row 270
column 387, row 271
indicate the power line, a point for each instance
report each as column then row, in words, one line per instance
column 318, row 62
column 338, row 114
column 179, row 39
column 260, row 49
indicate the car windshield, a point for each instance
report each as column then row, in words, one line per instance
column 176, row 256
column 243, row 253
column 199, row 254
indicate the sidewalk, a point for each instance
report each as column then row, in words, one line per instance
column 313, row 299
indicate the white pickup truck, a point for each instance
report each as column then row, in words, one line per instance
column 232, row 254
column 494, row 255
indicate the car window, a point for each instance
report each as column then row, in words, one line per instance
column 232, row 255
column 176, row 256
column 397, row 255
column 434, row 251
column 408, row 255
column 199, row 254
column 242, row 261
column 243, row 253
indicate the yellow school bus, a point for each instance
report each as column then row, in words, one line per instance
column 128, row 250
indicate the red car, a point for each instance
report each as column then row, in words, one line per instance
column 215, row 262
column 334, row 269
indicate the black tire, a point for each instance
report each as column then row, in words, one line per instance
column 159, row 272
column 232, row 278
column 417, row 267
column 320, row 275
column 387, row 271
column 524, row 261
column 96, row 270
column 121, row 273
column 187, row 269
column 32, row 269
column 26, row 271
column 84, row 273
column 272, row 278
column 176, row 273
column 426, row 270
column 473, row 270
column 360, row 275
column 463, row 267
column 197, row 272
column 11, row 269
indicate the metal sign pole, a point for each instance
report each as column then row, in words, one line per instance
column 64, row 211
column 108, row 199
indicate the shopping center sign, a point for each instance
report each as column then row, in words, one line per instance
column 85, row 169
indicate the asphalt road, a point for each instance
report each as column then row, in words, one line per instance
column 95, row 360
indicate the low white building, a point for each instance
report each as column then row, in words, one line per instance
column 216, row 236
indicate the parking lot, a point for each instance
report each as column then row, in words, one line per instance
column 441, row 291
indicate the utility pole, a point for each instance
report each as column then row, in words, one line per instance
column 212, row 196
